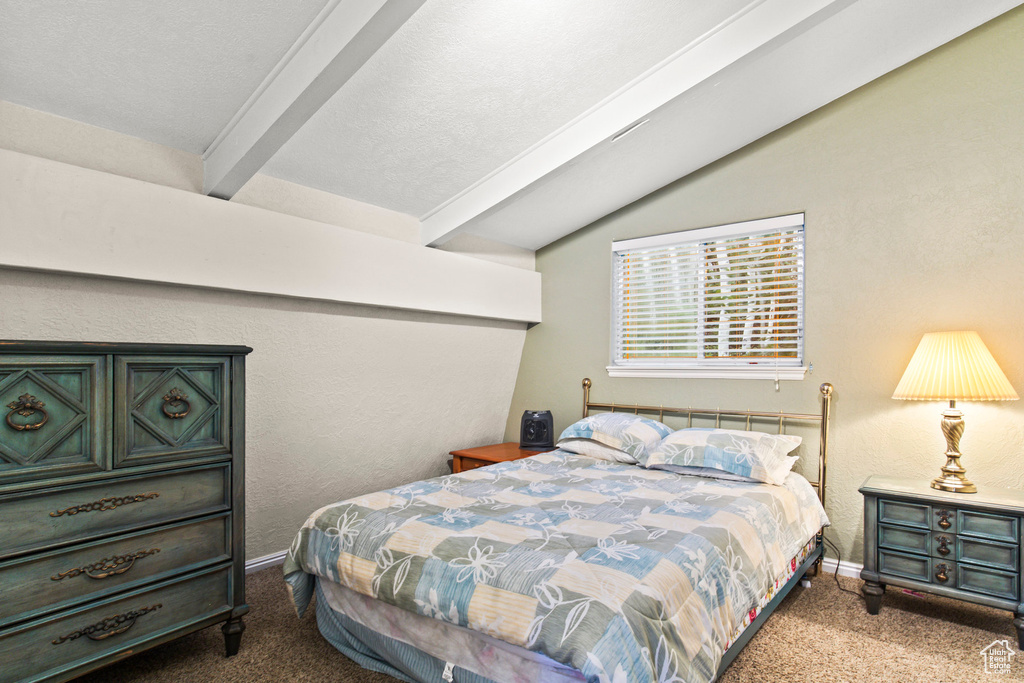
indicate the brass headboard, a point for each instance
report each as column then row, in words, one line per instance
column 781, row 417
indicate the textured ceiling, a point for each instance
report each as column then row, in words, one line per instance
column 464, row 86
column 430, row 123
column 172, row 72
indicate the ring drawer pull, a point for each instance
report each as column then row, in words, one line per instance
column 107, row 567
column 26, row 406
column 941, row 574
column 111, row 626
column 105, row 504
column 943, row 545
column 944, row 522
column 175, row 399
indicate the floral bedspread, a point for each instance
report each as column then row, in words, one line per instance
column 626, row 574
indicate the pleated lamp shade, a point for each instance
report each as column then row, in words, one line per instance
column 954, row 366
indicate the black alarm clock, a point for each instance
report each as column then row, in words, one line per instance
column 536, row 431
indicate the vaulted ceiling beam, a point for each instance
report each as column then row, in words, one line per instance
column 748, row 30
column 338, row 42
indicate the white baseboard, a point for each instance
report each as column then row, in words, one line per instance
column 845, row 568
column 264, row 562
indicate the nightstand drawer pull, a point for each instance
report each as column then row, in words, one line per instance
column 26, row 406
column 941, row 572
column 105, row 504
column 944, row 516
column 943, row 548
column 107, row 567
column 111, row 626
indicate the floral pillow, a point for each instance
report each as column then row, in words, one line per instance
column 631, row 434
column 754, row 455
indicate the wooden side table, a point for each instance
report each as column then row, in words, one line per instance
column 965, row 546
column 482, row 456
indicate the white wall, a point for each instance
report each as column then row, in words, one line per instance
column 342, row 399
column 913, row 188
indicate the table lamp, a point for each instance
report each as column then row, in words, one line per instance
column 953, row 366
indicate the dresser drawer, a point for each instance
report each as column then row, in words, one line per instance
column 69, row 639
column 171, row 408
column 903, row 538
column 58, row 516
column 985, row 525
column 44, row 583
column 987, row 581
column 906, row 514
column 989, row 553
column 53, row 413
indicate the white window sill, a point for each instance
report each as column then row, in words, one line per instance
column 708, row 373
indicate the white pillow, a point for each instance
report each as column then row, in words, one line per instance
column 596, row 449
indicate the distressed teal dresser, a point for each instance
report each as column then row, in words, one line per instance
column 122, row 520
column 961, row 545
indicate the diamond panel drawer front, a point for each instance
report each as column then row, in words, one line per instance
column 171, row 408
column 54, row 414
column 122, row 501
column 962, row 546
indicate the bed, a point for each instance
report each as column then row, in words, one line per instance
column 564, row 566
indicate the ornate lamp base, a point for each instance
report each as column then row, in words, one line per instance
column 953, row 477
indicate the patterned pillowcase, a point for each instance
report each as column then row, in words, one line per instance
column 596, row 449
column 758, row 456
column 631, row 434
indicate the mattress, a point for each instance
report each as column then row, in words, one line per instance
column 610, row 570
column 416, row 648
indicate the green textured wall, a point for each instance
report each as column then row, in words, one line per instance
column 913, row 188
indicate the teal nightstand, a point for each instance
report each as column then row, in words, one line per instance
column 959, row 545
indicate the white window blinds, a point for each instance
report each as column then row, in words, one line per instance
column 724, row 297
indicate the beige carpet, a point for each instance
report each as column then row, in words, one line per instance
column 818, row 634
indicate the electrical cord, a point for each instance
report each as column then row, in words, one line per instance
column 839, row 559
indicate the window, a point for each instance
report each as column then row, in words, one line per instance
column 726, row 301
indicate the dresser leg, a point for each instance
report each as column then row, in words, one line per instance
column 873, row 593
column 1019, row 623
column 232, row 635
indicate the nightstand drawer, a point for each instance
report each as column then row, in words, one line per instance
column 987, row 581
column 907, row 514
column 985, row 525
column 44, row 647
column 943, row 545
column 908, row 566
column 44, row 583
column 944, row 519
column 42, row 519
column 902, row 538
column 996, row 555
column 943, row 573
column 467, row 464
